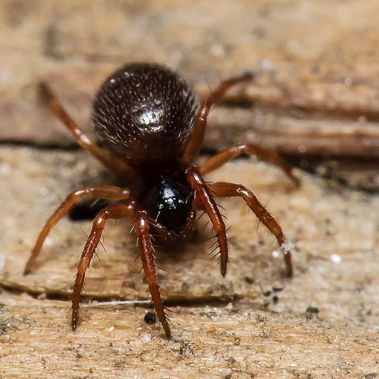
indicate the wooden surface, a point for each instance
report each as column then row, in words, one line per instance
column 254, row 322
column 209, row 342
column 316, row 95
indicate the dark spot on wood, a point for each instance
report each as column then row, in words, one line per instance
column 150, row 318
column 311, row 309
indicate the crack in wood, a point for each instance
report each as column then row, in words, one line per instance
column 112, row 299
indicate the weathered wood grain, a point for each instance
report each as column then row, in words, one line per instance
column 322, row 221
column 209, row 342
column 317, row 61
column 316, row 93
column 336, row 263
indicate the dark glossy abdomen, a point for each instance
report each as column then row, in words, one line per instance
column 145, row 113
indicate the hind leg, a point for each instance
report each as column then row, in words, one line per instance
column 197, row 136
column 109, row 159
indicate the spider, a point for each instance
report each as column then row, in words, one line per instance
column 149, row 127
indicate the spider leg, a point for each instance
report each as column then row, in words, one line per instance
column 146, row 252
column 109, row 159
column 103, row 192
column 204, row 200
column 197, row 136
column 224, row 156
column 112, row 211
column 221, row 189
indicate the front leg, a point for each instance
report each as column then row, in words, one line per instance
column 204, row 200
column 100, row 192
column 115, row 211
column 147, row 257
column 231, row 190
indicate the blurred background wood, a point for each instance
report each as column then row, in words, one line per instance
column 316, row 97
column 317, row 86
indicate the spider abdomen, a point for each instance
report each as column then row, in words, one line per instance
column 145, row 113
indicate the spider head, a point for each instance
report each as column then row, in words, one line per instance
column 170, row 202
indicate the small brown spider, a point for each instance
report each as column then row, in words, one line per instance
column 149, row 128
